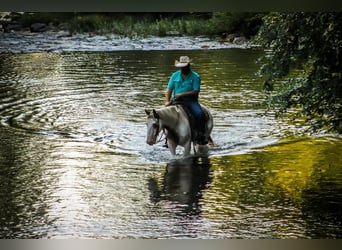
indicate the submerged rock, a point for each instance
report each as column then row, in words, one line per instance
column 11, row 26
column 236, row 39
column 38, row 27
column 240, row 40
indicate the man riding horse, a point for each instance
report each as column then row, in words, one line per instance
column 185, row 86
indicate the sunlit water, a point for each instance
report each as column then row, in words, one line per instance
column 75, row 164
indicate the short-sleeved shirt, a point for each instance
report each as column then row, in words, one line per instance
column 178, row 85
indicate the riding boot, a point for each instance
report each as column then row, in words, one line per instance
column 201, row 138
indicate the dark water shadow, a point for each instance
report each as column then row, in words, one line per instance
column 183, row 183
column 322, row 210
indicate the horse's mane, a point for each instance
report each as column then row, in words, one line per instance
column 170, row 114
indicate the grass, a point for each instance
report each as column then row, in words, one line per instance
column 139, row 27
column 146, row 24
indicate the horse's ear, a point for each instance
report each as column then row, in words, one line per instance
column 155, row 114
column 148, row 112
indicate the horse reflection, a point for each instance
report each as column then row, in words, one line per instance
column 183, row 182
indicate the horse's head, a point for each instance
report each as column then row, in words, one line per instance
column 153, row 126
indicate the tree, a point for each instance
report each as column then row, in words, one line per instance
column 303, row 67
column 242, row 23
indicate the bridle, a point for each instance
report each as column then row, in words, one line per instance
column 161, row 136
column 156, row 126
column 158, row 131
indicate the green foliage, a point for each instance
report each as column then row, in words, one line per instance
column 304, row 66
column 28, row 18
column 133, row 25
column 90, row 23
column 243, row 23
column 142, row 24
column 162, row 24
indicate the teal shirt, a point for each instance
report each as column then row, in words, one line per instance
column 178, row 85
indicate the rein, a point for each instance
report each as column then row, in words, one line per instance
column 161, row 138
column 162, row 134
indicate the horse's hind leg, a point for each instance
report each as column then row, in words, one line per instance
column 211, row 142
column 187, row 148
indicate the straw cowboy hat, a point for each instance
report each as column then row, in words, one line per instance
column 183, row 61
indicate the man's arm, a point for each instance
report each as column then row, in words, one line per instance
column 188, row 93
column 168, row 94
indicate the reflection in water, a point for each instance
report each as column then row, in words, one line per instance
column 184, row 182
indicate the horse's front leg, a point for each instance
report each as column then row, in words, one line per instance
column 172, row 146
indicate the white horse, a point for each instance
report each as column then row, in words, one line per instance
column 174, row 121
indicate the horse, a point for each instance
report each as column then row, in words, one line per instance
column 177, row 126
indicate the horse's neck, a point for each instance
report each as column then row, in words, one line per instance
column 169, row 116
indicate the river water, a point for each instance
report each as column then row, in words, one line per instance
column 74, row 162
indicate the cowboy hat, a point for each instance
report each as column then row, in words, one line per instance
column 183, row 61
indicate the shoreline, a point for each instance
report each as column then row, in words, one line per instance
column 63, row 41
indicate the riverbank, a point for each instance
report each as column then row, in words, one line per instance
column 133, row 24
column 26, row 32
column 62, row 41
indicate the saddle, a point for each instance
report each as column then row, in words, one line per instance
column 192, row 120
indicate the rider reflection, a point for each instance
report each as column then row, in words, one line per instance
column 183, row 182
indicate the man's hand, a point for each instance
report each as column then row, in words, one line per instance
column 167, row 103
